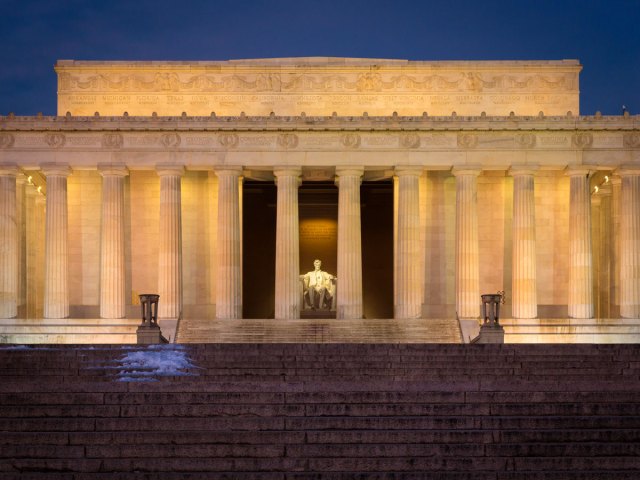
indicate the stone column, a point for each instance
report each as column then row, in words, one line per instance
column 616, row 187
column 56, row 284
column 229, row 274
column 524, row 292
column 580, row 304
column 21, row 183
column 630, row 243
column 8, row 242
column 467, row 256
column 112, row 268
column 287, row 244
column 408, row 291
column 349, row 294
column 170, row 242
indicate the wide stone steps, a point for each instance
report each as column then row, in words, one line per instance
column 191, row 330
column 312, row 411
column 68, row 331
column 571, row 330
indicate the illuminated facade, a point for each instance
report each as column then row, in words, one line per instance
column 482, row 177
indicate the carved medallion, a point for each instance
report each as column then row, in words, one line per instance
column 288, row 140
column 112, row 140
column 631, row 139
column 351, row 140
column 582, row 139
column 170, row 140
column 6, row 140
column 54, row 140
column 228, row 140
column 525, row 140
column 467, row 140
column 410, row 140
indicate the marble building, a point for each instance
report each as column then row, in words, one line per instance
column 420, row 184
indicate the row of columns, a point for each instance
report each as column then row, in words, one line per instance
column 408, row 295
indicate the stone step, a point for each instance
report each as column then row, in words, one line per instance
column 571, row 330
column 68, row 331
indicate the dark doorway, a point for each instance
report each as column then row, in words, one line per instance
column 258, row 249
column 376, row 200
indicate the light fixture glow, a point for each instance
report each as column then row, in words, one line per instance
column 606, row 178
column 40, row 189
column 595, row 189
column 29, row 178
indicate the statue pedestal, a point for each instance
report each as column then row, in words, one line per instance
column 150, row 334
column 490, row 334
column 317, row 314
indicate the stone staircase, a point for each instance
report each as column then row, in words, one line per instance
column 68, row 330
column 319, row 331
column 320, row 411
column 571, row 330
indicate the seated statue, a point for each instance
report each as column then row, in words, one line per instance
column 318, row 289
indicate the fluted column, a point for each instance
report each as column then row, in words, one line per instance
column 112, row 268
column 21, row 184
column 56, row 272
column 467, row 255
column 287, row 301
column 229, row 275
column 630, row 243
column 8, row 242
column 580, row 303
column 616, row 187
column 524, row 292
column 349, row 294
column 408, row 288
column 170, row 241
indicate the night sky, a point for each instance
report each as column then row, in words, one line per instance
column 603, row 35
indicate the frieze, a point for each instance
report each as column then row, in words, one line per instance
column 320, row 140
column 199, row 141
column 83, row 141
column 607, row 141
column 438, row 140
column 380, row 140
column 6, row 140
column 554, row 140
column 256, row 140
column 143, row 140
column 631, row 139
column 276, row 82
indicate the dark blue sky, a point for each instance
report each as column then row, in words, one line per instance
column 603, row 35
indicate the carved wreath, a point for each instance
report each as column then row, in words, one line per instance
column 467, row 140
column 228, row 140
column 288, row 140
column 170, row 140
column 112, row 140
column 54, row 140
column 6, row 140
column 582, row 139
column 351, row 140
column 410, row 140
column 525, row 140
column 631, row 139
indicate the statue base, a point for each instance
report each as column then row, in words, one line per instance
column 490, row 334
column 317, row 314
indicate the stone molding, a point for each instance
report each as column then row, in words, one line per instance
column 9, row 170
column 170, row 170
column 55, row 169
column 120, row 170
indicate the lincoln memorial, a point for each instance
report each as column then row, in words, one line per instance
column 419, row 186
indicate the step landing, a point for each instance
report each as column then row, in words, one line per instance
column 571, row 330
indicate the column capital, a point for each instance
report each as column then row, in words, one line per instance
column 287, row 171
column 228, row 170
column 403, row 170
column 55, row 169
column 474, row 170
column 615, row 180
column 9, row 170
column 578, row 170
column 21, row 179
column 115, row 170
column 353, row 171
column 627, row 170
column 516, row 170
column 169, row 170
